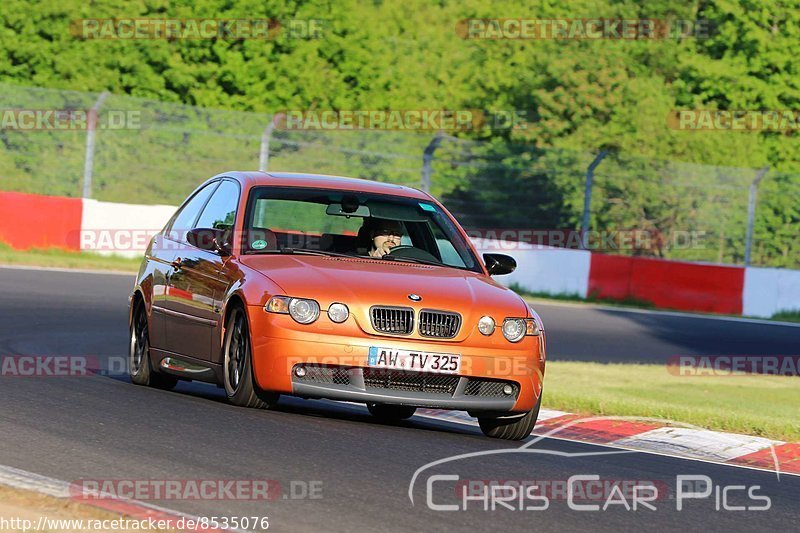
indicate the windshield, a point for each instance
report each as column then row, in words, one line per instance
column 330, row 222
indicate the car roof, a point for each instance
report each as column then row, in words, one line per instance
column 322, row 181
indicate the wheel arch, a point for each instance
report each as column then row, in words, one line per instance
column 137, row 298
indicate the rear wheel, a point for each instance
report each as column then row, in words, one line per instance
column 139, row 368
column 390, row 413
column 516, row 428
column 238, row 365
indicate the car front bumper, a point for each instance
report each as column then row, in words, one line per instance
column 277, row 351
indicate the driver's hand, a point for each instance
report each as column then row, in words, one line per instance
column 387, row 247
column 384, row 246
column 383, row 249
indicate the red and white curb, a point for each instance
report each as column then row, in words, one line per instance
column 134, row 509
column 654, row 436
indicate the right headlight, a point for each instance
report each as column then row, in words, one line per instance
column 302, row 310
column 514, row 329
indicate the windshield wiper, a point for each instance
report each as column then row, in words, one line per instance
column 388, row 257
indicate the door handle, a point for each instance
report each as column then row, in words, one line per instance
column 177, row 263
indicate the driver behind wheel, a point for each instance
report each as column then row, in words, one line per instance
column 384, row 235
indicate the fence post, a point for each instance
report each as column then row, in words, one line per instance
column 263, row 159
column 91, row 127
column 587, row 197
column 427, row 159
column 751, row 214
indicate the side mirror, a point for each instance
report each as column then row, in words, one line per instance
column 210, row 239
column 499, row 264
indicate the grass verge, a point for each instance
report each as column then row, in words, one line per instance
column 787, row 316
column 764, row 406
column 56, row 257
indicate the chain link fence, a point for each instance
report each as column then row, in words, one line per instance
column 152, row 152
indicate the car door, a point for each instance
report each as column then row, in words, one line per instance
column 163, row 253
column 197, row 284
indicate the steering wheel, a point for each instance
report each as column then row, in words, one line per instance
column 412, row 252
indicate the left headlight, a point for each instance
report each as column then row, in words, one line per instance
column 302, row 310
column 514, row 329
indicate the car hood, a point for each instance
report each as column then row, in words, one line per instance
column 367, row 282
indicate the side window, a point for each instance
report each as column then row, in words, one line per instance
column 184, row 220
column 220, row 213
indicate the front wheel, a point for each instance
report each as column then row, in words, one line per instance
column 516, row 428
column 239, row 384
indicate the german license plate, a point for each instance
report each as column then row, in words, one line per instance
column 444, row 363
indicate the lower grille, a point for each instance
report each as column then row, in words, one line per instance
column 402, row 380
column 337, row 375
column 410, row 381
column 490, row 388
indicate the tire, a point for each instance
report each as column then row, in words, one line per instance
column 390, row 413
column 237, row 368
column 516, row 428
column 139, row 368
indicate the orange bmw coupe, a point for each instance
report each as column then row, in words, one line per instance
column 329, row 287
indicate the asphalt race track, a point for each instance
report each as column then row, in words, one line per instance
column 103, row 427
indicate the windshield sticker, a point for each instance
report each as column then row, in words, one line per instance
column 258, row 245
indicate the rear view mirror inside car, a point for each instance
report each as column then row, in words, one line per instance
column 337, row 209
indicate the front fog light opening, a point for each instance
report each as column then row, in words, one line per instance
column 514, row 329
column 300, row 371
column 303, row 311
column 338, row 312
column 508, row 390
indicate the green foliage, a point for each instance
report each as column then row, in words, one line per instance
column 579, row 96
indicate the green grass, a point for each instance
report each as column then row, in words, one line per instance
column 56, row 257
column 787, row 316
column 764, row 406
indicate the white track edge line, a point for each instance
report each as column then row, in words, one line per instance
column 638, row 450
column 31, row 481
